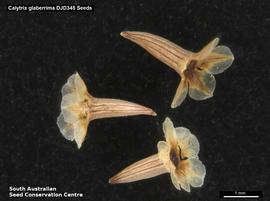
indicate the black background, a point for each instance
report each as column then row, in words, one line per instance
column 40, row 50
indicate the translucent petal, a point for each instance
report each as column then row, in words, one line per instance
column 219, row 60
column 206, row 51
column 202, row 86
column 182, row 133
column 163, row 147
column 175, row 182
column 197, row 167
column 193, row 147
column 183, row 183
column 80, row 86
column 181, row 174
column 68, row 100
column 168, row 130
column 163, row 154
column 70, row 116
column 66, row 129
column 69, row 87
column 180, row 94
column 79, row 133
column 75, row 85
column 196, row 173
column 196, row 181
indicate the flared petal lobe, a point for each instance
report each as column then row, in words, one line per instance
column 73, row 131
column 69, row 87
column 180, row 94
column 65, row 128
column 218, row 61
column 163, row 153
column 190, row 173
column 201, row 85
column 206, row 51
column 169, row 131
column 196, row 173
column 175, row 181
column 75, row 85
column 180, row 177
column 80, row 130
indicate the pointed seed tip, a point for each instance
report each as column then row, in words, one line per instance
column 154, row 113
column 125, row 34
column 112, row 181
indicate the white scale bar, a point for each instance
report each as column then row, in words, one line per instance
column 241, row 196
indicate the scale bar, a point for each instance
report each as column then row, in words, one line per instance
column 240, row 196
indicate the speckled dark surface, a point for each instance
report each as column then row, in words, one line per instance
column 39, row 51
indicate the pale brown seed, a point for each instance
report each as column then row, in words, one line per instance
column 78, row 108
column 195, row 69
column 178, row 155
